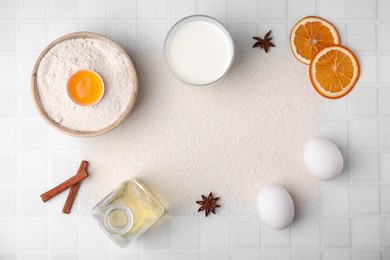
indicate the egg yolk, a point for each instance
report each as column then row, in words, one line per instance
column 85, row 87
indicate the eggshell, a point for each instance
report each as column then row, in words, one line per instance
column 275, row 206
column 323, row 159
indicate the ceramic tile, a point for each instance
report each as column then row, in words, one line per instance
column 7, row 9
column 8, row 229
column 182, row 8
column 8, row 256
column 33, row 234
column 333, row 9
column 126, row 255
column 386, row 167
column 60, row 142
column 8, row 201
column 62, row 10
column 386, row 199
column 366, row 199
column 216, row 8
column 385, row 36
column 32, row 37
column 337, row 131
column 354, row 36
column 367, row 255
column 8, row 44
column 30, row 203
column 7, row 102
column 336, row 233
column 386, row 231
column 363, row 9
column 185, row 233
column 8, row 63
column 210, row 255
column 8, row 164
column 246, row 234
column 70, row 162
column 131, row 248
column 32, row 168
column 91, row 236
column 369, row 70
column 158, row 237
column 276, row 238
column 151, row 9
column 58, row 255
column 364, row 133
column 385, row 134
column 247, row 255
column 59, row 29
column 93, row 255
column 32, row 9
column 215, row 234
column 123, row 9
column 26, row 104
column 385, row 5
column 63, row 234
column 244, row 11
column 367, row 232
column 335, row 200
column 338, row 108
column 33, row 135
column 365, row 166
column 188, row 255
column 336, row 255
column 29, row 255
column 384, row 96
column 96, row 27
column 8, row 135
column 364, row 102
column 154, row 255
column 302, row 8
column 275, row 10
column 26, row 64
column 298, row 255
column 306, row 233
column 92, row 9
column 385, row 67
column 275, row 255
column 350, row 220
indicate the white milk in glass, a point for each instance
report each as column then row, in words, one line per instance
column 199, row 50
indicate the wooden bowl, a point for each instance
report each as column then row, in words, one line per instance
column 78, row 133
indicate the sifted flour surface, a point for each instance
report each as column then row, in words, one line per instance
column 232, row 138
column 66, row 58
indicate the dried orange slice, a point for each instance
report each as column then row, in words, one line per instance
column 310, row 35
column 334, row 71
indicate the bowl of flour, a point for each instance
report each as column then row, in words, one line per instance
column 67, row 55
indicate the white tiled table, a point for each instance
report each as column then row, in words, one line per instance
column 356, row 225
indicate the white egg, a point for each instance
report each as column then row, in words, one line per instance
column 323, row 159
column 275, row 206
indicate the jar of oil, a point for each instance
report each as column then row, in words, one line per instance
column 127, row 212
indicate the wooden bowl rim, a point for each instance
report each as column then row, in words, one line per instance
column 78, row 133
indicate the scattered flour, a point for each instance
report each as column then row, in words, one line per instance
column 232, row 138
column 66, row 58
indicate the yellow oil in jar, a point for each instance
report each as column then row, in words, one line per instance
column 127, row 212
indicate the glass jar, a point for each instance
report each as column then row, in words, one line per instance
column 127, row 212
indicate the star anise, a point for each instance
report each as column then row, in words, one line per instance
column 263, row 43
column 208, row 204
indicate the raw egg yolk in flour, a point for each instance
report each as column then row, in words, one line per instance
column 85, row 87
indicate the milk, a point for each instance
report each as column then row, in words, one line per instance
column 199, row 50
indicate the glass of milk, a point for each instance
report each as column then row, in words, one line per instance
column 199, row 50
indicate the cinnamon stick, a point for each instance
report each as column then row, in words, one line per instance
column 73, row 190
column 63, row 186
